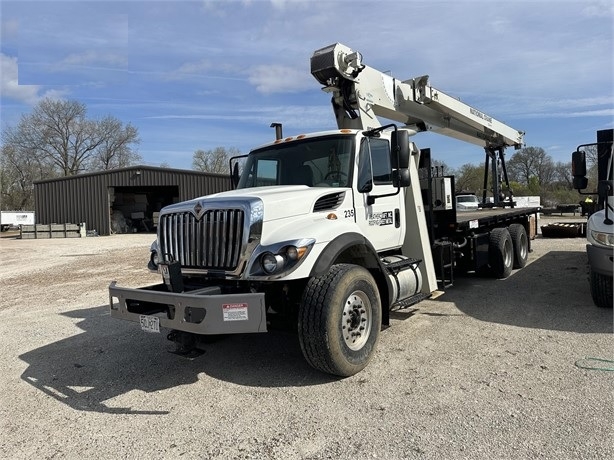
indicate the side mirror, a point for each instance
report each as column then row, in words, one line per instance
column 400, row 152
column 235, row 175
column 399, row 158
column 578, row 169
column 580, row 183
column 578, row 163
column 234, row 170
column 400, row 177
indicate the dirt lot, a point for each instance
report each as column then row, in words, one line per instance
column 487, row 371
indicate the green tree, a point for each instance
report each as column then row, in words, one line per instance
column 533, row 186
column 520, row 189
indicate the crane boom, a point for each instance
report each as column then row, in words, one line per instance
column 361, row 94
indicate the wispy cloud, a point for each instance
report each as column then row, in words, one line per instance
column 282, row 4
column 608, row 112
column 545, row 107
column 205, row 68
column 600, row 9
column 98, row 58
column 298, row 118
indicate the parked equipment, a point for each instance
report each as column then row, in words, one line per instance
column 14, row 219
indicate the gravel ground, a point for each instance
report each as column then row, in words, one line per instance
column 486, row 371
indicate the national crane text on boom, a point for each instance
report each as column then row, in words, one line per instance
column 481, row 115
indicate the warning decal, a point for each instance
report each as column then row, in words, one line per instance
column 234, row 311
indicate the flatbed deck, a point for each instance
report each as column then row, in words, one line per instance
column 487, row 217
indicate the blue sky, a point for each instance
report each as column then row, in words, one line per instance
column 201, row 74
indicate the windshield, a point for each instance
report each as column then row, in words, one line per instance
column 315, row 162
column 467, row 199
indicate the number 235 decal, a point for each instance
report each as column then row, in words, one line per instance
column 348, row 213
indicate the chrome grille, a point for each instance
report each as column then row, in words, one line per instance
column 212, row 242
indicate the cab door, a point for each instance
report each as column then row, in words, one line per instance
column 379, row 210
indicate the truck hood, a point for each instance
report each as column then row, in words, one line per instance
column 597, row 222
column 280, row 202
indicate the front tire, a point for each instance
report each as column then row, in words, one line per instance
column 500, row 253
column 601, row 289
column 340, row 317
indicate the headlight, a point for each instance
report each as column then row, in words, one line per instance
column 154, row 259
column 605, row 239
column 281, row 258
column 272, row 262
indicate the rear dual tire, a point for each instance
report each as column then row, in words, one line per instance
column 520, row 242
column 500, row 253
column 508, row 248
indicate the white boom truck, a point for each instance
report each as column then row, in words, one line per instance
column 330, row 230
column 600, row 226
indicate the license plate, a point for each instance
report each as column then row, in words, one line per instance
column 150, row 323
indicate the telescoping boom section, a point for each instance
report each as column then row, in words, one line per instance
column 361, row 94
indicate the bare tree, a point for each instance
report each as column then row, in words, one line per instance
column 591, row 154
column 17, row 176
column 56, row 140
column 57, row 132
column 115, row 150
column 469, row 178
column 562, row 175
column 214, row 161
column 531, row 162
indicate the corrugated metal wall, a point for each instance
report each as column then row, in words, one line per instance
column 85, row 198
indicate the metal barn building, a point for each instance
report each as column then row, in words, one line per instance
column 120, row 200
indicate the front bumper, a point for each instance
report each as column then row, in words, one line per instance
column 601, row 260
column 202, row 311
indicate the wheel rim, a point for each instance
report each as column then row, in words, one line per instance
column 356, row 320
column 523, row 246
column 508, row 254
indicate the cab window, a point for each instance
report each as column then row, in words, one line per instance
column 380, row 158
